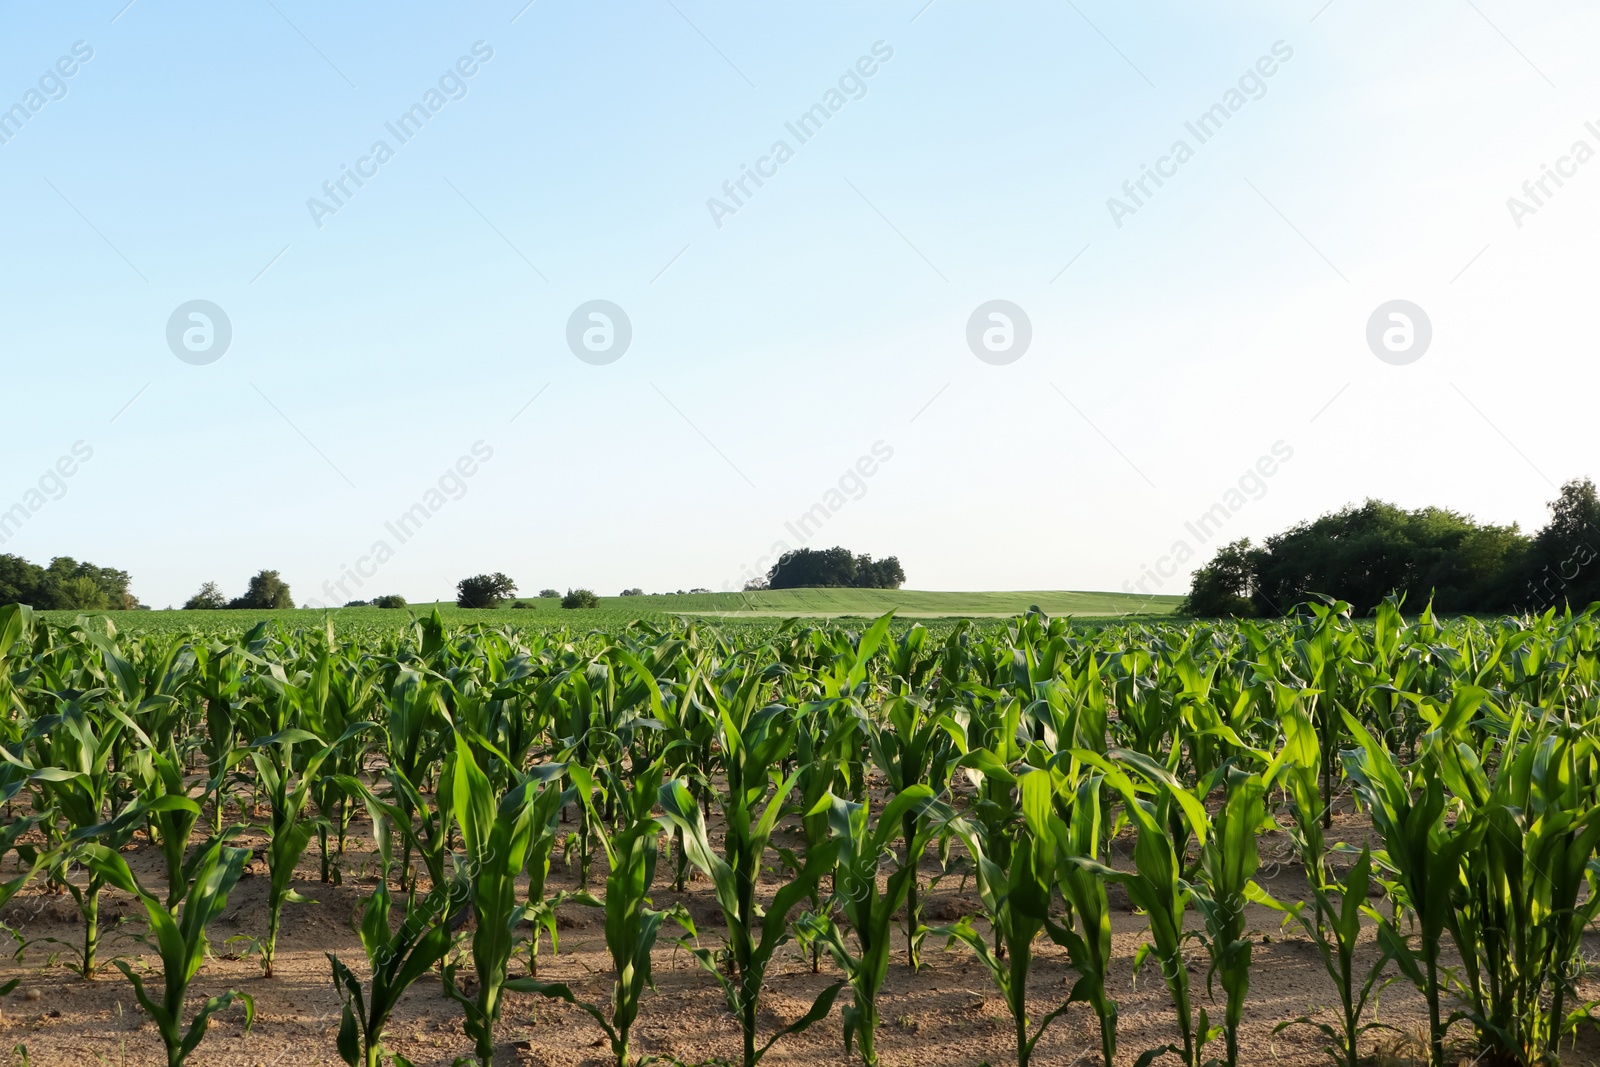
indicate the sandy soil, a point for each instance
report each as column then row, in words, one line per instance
column 948, row 1013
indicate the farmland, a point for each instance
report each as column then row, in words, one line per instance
column 615, row 611
column 546, row 836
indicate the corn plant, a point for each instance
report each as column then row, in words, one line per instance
column 868, row 911
column 180, row 941
column 12, row 779
column 689, row 729
column 579, row 723
column 1228, row 862
column 631, row 925
column 414, row 742
column 539, row 910
column 1519, row 924
column 1156, row 885
column 1422, row 848
column 219, row 678
column 1473, row 743
column 16, row 623
column 77, row 785
column 496, row 835
column 1016, row 903
column 758, row 741
column 912, row 746
column 1085, row 932
column 816, row 774
column 334, row 699
column 1325, row 643
column 161, row 799
column 397, row 958
column 1337, row 904
column 994, row 811
column 291, row 831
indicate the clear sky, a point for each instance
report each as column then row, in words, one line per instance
column 934, row 157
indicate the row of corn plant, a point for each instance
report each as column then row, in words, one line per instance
column 1043, row 762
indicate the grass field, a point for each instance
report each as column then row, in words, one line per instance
column 910, row 603
column 766, row 606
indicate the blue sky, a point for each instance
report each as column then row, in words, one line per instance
column 826, row 315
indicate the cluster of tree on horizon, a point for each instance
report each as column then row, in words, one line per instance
column 830, row 568
column 395, row 601
column 493, row 590
column 267, row 591
column 65, row 585
column 1363, row 553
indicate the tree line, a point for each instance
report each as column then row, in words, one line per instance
column 1363, row 553
column 65, row 585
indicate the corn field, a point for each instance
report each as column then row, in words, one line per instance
column 813, row 783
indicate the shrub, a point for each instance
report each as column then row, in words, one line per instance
column 484, row 590
column 358, row 604
column 550, row 594
column 523, row 604
column 580, row 598
column 633, row 592
column 392, row 601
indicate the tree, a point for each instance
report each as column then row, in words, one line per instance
column 65, row 585
column 267, row 592
column 633, row 592
column 209, row 598
column 71, row 585
column 80, row 593
column 19, row 581
column 831, row 568
column 391, row 601
column 884, row 574
column 580, row 598
column 1362, row 554
column 1225, row 586
column 550, row 594
column 1563, row 562
column 484, row 590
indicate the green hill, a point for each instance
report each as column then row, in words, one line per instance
column 909, row 603
column 618, row 610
